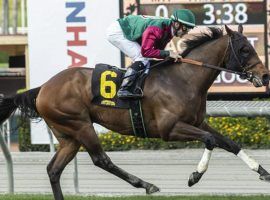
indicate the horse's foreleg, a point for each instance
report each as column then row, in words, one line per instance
column 221, row 142
column 185, row 132
column 66, row 152
column 230, row 146
column 201, row 168
column 90, row 141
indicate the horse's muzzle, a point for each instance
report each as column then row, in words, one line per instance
column 265, row 79
column 260, row 81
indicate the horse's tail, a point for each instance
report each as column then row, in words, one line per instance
column 25, row 102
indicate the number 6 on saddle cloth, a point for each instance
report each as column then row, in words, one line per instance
column 106, row 81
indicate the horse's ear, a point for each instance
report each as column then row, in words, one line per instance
column 228, row 30
column 240, row 28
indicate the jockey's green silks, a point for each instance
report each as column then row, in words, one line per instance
column 133, row 26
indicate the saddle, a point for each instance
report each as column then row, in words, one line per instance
column 106, row 81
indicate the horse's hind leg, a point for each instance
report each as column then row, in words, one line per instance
column 90, row 141
column 68, row 148
column 230, row 146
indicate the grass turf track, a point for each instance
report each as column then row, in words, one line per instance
column 49, row 197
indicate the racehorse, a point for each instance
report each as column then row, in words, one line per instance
column 174, row 106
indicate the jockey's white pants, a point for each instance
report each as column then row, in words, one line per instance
column 115, row 35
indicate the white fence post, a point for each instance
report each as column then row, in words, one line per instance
column 8, row 157
column 75, row 175
column 5, row 130
column 52, row 148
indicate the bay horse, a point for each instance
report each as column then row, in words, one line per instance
column 174, row 107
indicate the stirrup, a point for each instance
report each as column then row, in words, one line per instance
column 125, row 94
column 138, row 91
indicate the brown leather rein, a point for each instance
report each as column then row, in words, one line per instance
column 198, row 63
column 244, row 74
column 194, row 62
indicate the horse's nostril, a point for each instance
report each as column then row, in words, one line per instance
column 265, row 79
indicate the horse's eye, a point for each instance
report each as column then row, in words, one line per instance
column 245, row 50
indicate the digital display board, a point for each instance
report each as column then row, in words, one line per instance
column 251, row 13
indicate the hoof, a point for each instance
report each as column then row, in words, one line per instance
column 194, row 178
column 152, row 189
column 265, row 177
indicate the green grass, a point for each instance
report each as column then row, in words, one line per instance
column 49, row 197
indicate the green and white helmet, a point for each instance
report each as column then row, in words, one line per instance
column 184, row 16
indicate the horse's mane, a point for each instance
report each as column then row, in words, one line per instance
column 212, row 34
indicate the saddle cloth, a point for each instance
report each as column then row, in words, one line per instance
column 106, row 81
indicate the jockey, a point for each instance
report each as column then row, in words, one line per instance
column 143, row 37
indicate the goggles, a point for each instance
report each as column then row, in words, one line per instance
column 185, row 28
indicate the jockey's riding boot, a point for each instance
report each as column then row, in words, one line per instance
column 129, row 80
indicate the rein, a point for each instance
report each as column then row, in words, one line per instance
column 198, row 63
column 244, row 74
column 194, row 62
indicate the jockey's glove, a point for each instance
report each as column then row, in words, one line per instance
column 175, row 55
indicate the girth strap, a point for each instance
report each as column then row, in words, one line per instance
column 136, row 117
